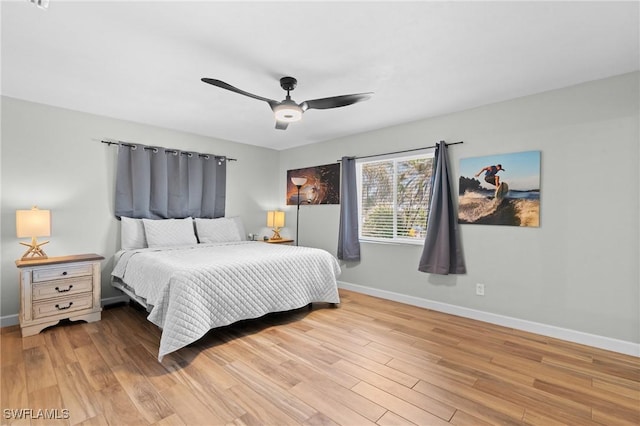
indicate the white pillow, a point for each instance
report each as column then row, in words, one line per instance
column 219, row 230
column 240, row 226
column 132, row 234
column 169, row 232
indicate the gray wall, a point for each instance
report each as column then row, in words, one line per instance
column 52, row 157
column 579, row 269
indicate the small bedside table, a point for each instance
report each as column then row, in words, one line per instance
column 282, row 241
column 58, row 288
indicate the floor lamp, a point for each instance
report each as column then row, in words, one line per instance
column 298, row 182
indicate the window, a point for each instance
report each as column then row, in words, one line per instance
column 394, row 198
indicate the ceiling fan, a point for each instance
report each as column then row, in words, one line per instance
column 288, row 111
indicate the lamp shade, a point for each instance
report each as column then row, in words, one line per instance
column 33, row 223
column 275, row 219
column 299, row 181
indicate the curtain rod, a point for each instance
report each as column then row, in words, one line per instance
column 403, row 151
column 170, row 151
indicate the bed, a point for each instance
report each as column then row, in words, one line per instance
column 189, row 289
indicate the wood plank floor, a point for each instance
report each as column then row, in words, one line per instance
column 368, row 362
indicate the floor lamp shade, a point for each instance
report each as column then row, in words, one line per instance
column 298, row 181
column 32, row 224
column 275, row 220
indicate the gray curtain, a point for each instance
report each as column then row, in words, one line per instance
column 442, row 252
column 159, row 183
column 348, row 242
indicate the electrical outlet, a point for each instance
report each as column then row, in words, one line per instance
column 480, row 289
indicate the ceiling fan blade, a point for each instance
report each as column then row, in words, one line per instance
column 335, row 101
column 227, row 86
column 281, row 125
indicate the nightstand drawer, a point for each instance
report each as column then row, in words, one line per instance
column 62, row 272
column 60, row 288
column 61, row 305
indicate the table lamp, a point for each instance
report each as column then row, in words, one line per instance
column 275, row 220
column 33, row 223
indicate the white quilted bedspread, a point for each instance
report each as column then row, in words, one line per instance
column 196, row 288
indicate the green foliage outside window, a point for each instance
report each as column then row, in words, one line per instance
column 395, row 198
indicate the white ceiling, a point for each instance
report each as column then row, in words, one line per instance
column 142, row 61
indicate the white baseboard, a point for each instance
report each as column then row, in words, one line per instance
column 8, row 320
column 602, row 342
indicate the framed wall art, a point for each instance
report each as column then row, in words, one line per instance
column 322, row 185
column 502, row 189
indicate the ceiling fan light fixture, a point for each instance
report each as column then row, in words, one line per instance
column 288, row 113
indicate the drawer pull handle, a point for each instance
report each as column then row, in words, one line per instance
column 64, row 273
column 64, row 307
column 65, row 290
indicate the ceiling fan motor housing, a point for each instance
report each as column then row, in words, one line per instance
column 288, row 83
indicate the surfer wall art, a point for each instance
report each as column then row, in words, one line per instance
column 502, row 189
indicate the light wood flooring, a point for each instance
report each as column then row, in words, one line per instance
column 367, row 362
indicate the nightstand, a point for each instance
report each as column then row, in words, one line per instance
column 57, row 288
column 282, row 241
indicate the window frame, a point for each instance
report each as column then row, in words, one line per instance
column 395, row 240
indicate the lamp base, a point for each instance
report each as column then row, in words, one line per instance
column 276, row 234
column 34, row 251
